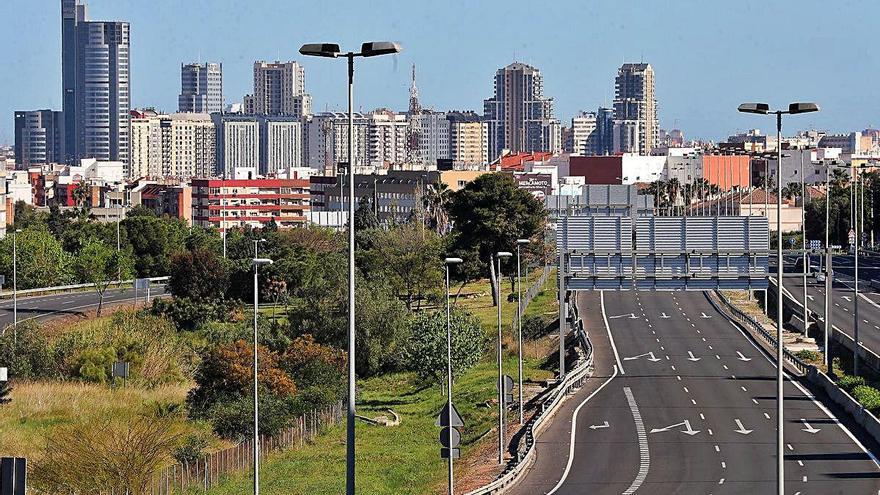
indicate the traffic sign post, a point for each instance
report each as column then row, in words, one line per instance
column 13, row 476
column 450, row 436
column 508, row 389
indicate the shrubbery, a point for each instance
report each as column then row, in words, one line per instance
column 849, row 382
column 868, row 397
column 535, row 326
column 426, row 348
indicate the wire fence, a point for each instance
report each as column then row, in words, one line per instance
column 531, row 293
column 211, row 470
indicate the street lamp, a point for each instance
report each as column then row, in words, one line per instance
column 447, row 262
column 257, row 262
column 519, row 311
column 764, row 109
column 332, row 50
column 499, row 255
column 257, row 242
column 15, row 284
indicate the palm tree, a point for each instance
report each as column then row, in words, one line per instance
column 80, row 194
column 436, row 199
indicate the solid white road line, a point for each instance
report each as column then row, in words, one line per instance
column 610, row 337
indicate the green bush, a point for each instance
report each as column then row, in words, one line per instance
column 807, row 355
column 849, row 382
column 425, row 351
column 868, row 397
column 191, row 450
column 27, row 354
column 234, row 418
column 94, row 364
column 535, row 326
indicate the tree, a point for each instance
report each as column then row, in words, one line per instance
column 425, row 351
column 437, row 198
column 41, row 260
column 409, row 257
column 153, row 241
column 80, row 194
column 490, row 213
column 364, row 217
column 99, row 264
column 27, row 216
column 199, row 274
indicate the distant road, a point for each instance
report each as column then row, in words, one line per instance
column 69, row 303
column 689, row 407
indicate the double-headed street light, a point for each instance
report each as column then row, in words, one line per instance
column 332, row 50
column 764, row 109
column 447, row 262
column 257, row 243
column 498, row 256
column 257, row 262
column 519, row 311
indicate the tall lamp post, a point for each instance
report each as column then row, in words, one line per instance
column 257, row 262
column 257, row 242
column 332, row 50
column 764, row 109
column 805, row 258
column 519, row 310
column 447, row 262
column 15, row 283
column 499, row 255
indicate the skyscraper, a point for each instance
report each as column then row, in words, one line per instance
column 201, row 88
column 636, row 106
column 604, row 142
column 280, row 89
column 38, row 138
column 95, row 82
column 518, row 112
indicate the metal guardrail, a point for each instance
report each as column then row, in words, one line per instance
column 748, row 322
column 70, row 288
column 575, row 379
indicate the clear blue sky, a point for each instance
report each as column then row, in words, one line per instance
column 708, row 56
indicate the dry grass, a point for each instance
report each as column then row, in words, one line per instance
column 39, row 407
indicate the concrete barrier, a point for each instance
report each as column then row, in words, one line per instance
column 860, row 415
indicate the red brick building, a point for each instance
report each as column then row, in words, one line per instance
column 256, row 202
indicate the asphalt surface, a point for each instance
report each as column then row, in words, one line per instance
column 691, row 410
column 842, row 297
column 65, row 304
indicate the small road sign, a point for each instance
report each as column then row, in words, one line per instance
column 4, row 375
column 445, row 440
column 444, row 453
column 13, row 475
column 443, row 417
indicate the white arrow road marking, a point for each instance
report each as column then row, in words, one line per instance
column 809, row 429
column 740, row 428
column 741, row 357
column 704, row 315
column 692, row 358
column 848, row 299
column 687, row 428
column 649, row 354
column 631, row 316
column 664, row 315
column 603, row 425
column 810, row 297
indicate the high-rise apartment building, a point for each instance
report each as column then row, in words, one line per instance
column 279, row 89
column 39, row 138
column 180, row 145
column 468, row 138
column 583, row 133
column 430, row 132
column 281, row 144
column 386, row 138
column 634, row 101
column 238, row 145
column 516, row 114
column 95, row 82
column 603, row 144
column 201, row 88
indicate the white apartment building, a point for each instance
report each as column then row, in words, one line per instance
column 178, row 145
column 238, row 146
column 146, row 146
column 583, row 130
column 386, row 141
column 325, row 140
column 468, row 139
column 431, row 132
column 279, row 89
column 282, row 146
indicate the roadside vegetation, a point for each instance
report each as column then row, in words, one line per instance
column 190, row 380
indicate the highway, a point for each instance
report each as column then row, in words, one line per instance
column 682, row 402
column 68, row 303
column 842, row 298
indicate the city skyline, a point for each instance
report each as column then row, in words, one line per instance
column 695, row 94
